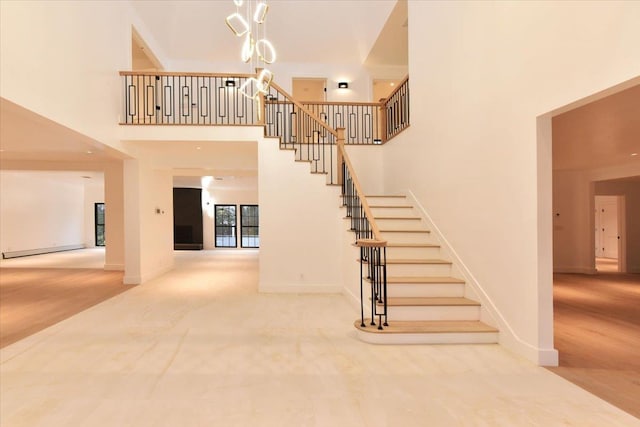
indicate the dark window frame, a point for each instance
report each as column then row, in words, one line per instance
column 256, row 226
column 97, row 224
column 234, row 227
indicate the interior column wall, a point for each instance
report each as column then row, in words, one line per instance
column 148, row 200
column 114, row 216
column 300, row 225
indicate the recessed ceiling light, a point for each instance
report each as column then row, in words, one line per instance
column 634, row 154
column 198, row 148
column 392, row 84
column 89, row 152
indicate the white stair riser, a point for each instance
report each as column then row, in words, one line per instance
column 430, row 338
column 425, row 290
column 400, row 224
column 387, row 201
column 402, row 237
column 413, row 253
column 393, row 211
column 434, row 312
column 440, row 270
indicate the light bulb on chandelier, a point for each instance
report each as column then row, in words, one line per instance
column 262, row 48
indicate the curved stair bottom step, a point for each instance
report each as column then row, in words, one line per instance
column 427, row 332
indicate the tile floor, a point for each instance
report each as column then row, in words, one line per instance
column 200, row 347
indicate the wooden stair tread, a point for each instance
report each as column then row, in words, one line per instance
column 405, row 231
column 422, row 279
column 391, row 206
column 408, row 218
column 429, row 301
column 412, row 245
column 426, row 327
column 377, row 196
column 417, row 261
column 414, row 261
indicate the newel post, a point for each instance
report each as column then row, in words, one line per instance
column 382, row 114
column 262, row 107
column 340, row 154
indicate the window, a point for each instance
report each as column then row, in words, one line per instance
column 226, row 226
column 249, row 226
column 99, row 222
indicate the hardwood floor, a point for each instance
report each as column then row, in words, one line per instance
column 32, row 299
column 597, row 332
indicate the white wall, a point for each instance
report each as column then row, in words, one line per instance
column 573, row 238
column 631, row 238
column 368, row 161
column 300, row 225
column 573, row 200
column 481, row 73
column 61, row 60
column 40, row 210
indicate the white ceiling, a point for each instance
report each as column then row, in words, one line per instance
column 25, row 135
column 321, row 31
column 603, row 133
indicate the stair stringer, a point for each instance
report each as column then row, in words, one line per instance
column 489, row 313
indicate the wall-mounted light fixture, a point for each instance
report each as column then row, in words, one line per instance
column 343, row 85
column 230, row 83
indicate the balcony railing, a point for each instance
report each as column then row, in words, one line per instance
column 161, row 98
column 396, row 110
column 157, row 98
column 361, row 120
column 302, row 131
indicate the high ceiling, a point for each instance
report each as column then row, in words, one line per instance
column 302, row 31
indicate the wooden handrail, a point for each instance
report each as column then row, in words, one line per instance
column 356, row 183
column 364, row 104
column 165, row 73
column 305, row 109
column 395, row 90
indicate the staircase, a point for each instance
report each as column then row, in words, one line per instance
column 426, row 304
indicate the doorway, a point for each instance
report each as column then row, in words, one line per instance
column 99, row 223
column 607, row 233
column 309, row 90
column 382, row 88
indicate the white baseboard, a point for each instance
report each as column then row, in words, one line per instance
column 39, row 251
column 140, row 279
column 490, row 313
column 132, row 280
column 540, row 356
column 299, row 288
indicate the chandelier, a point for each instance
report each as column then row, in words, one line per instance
column 251, row 25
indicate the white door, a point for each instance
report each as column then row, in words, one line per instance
column 598, row 230
column 610, row 233
column 607, row 226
